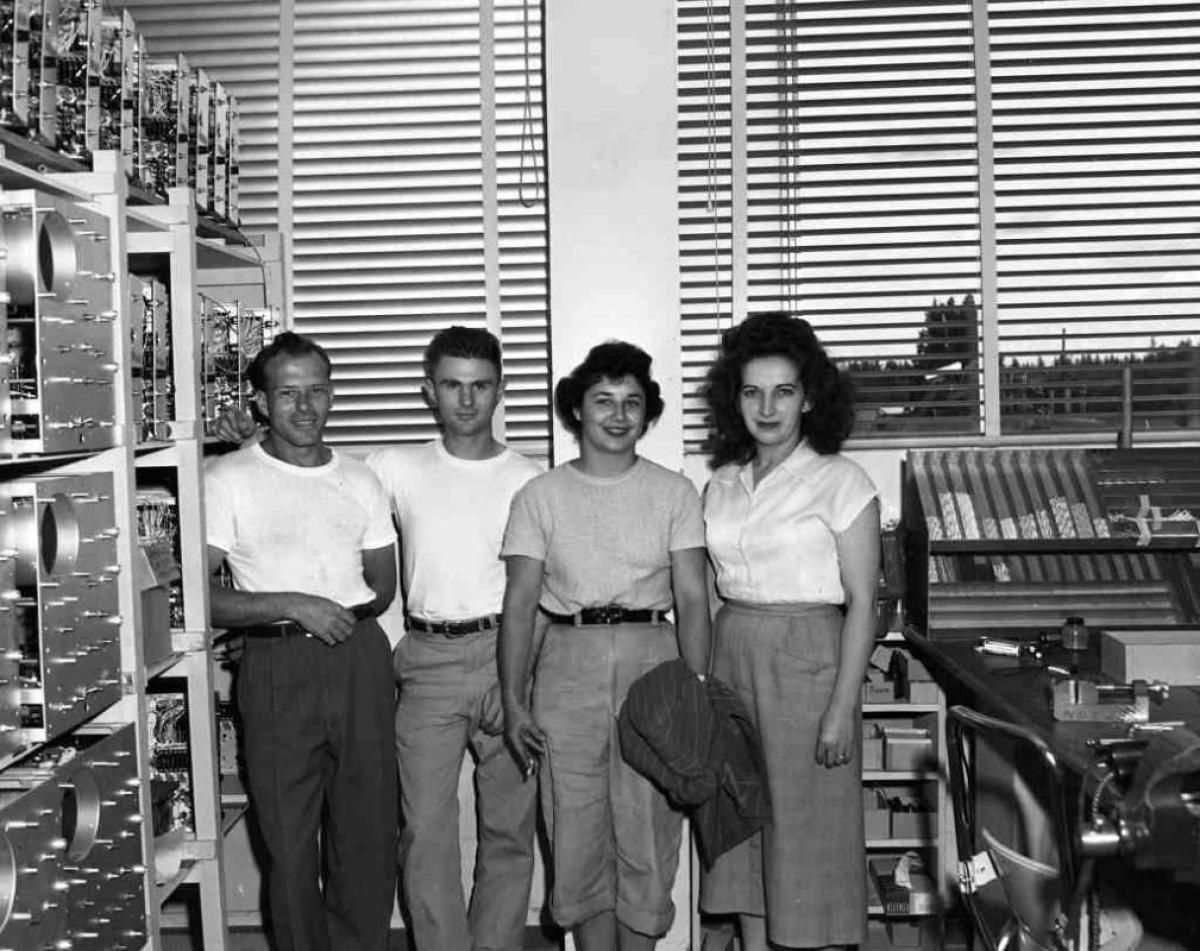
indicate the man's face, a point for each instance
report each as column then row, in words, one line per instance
column 464, row 393
column 297, row 399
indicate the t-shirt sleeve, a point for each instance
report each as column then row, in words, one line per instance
column 687, row 519
column 525, row 533
column 374, row 460
column 219, row 527
column 381, row 463
column 380, row 530
column 851, row 491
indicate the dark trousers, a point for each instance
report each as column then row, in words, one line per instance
column 320, row 758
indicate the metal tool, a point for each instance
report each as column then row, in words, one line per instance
column 1002, row 647
column 1079, row 699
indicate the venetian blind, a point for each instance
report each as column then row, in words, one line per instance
column 237, row 42
column 418, row 201
column 944, row 189
column 1096, row 116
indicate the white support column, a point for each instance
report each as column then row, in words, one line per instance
column 109, row 185
column 611, row 147
column 614, row 248
column 206, row 796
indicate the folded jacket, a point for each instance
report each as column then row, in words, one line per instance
column 696, row 742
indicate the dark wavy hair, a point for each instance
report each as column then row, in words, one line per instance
column 828, row 391
column 469, row 343
column 612, row 360
column 286, row 344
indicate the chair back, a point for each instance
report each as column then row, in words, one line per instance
column 1037, row 894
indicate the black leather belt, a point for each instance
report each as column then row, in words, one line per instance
column 609, row 614
column 278, row 629
column 455, row 628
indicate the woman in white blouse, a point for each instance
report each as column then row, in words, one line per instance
column 792, row 529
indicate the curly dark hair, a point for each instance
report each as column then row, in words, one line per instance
column 286, row 344
column 612, row 360
column 829, row 392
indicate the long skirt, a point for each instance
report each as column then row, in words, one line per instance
column 806, row 871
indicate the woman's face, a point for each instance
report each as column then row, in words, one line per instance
column 612, row 416
column 772, row 400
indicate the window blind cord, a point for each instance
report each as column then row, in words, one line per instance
column 530, row 167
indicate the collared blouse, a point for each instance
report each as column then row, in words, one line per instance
column 776, row 542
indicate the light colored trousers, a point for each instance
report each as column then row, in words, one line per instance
column 614, row 838
column 443, row 682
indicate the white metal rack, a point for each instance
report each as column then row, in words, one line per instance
column 168, row 235
column 935, row 839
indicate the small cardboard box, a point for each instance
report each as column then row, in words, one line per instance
column 876, row 818
column 907, row 751
column 872, row 747
column 876, row 689
column 913, row 825
column 904, row 934
column 922, row 691
column 1170, row 655
column 877, row 935
column 875, row 824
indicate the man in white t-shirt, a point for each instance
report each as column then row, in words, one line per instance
column 307, row 536
column 451, row 499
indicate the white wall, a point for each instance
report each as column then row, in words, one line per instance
column 614, row 250
column 614, row 255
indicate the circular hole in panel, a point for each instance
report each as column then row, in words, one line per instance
column 80, row 815
column 57, row 262
column 8, row 880
column 59, row 535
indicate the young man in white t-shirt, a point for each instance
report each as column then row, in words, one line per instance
column 451, row 499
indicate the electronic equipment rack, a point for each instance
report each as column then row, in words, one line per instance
column 109, row 793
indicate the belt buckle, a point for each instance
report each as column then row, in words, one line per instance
column 610, row 614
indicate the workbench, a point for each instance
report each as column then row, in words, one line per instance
column 1020, row 692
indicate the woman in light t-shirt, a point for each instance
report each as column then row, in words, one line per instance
column 603, row 545
column 793, row 534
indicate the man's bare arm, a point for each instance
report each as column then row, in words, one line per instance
column 321, row 617
column 379, row 572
